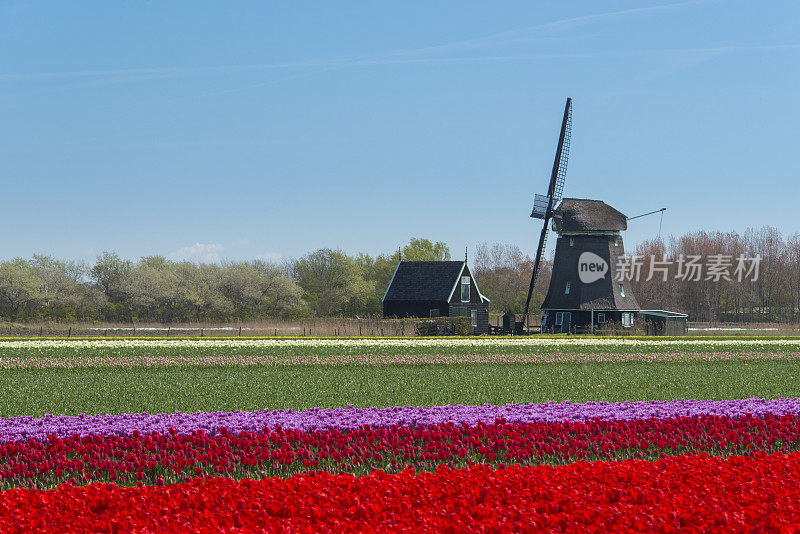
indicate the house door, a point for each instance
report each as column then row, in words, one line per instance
column 566, row 322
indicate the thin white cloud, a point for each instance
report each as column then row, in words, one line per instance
column 486, row 41
column 200, row 252
column 398, row 61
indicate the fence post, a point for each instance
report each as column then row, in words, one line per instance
column 69, row 334
column 276, row 332
column 134, row 330
column 201, row 332
column 240, row 331
column 105, row 332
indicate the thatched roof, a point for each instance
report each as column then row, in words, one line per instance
column 586, row 215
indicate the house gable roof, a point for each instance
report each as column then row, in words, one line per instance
column 425, row 280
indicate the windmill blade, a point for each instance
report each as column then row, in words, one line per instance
column 554, row 191
column 562, row 154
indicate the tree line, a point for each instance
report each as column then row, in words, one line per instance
column 322, row 283
column 329, row 282
column 772, row 294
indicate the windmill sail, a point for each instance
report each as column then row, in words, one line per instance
column 543, row 204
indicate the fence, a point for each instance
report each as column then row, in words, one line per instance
column 315, row 328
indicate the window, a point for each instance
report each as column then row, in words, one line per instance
column 458, row 311
column 571, row 241
column 566, row 289
column 621, row 291
column 616, row 242
column 465, row 289
column 474, row 315
column 559, row 318
column 601, row 318
column 434, row 312
column 627, row 319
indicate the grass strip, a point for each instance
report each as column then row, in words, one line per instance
column 191, row 389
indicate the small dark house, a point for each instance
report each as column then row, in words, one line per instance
column 436, row 289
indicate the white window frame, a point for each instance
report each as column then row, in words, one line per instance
column 601, row 318
column 474, row 317
column 627, row 319
column 621, row 290
column 571, row 241
column 559, row 318
column 433, row 313
column 465, row 285
column 567, row 288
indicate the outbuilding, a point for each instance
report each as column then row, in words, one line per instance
column 429, row 289
column 664, row 323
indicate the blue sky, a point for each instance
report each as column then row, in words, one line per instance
column 211, row 130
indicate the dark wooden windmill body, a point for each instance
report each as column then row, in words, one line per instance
column 584, row 292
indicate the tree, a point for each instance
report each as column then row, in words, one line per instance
column 378, row 272
column 110, row 273
column 333, row 283
column 424, row 250
column 793, row 246
column 60, row 285
column 259, row 288
column 503, row 274
column 20, row 288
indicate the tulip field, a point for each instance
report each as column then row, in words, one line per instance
column 475, row 434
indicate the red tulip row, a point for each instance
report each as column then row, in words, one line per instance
column 170, row 458
column 685, row 493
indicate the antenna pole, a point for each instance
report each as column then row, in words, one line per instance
column 662, row 210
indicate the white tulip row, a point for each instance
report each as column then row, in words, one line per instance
column 525, row 343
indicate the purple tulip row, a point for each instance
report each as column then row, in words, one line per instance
column 22, row 428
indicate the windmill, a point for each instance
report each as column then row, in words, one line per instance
column 543, row 205
column 583, row 293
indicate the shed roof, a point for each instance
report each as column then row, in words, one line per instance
column 586, row 215
column 663, row 313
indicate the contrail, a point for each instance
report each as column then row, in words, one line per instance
column 381, row 59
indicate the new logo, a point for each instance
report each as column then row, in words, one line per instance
column 591, row 267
